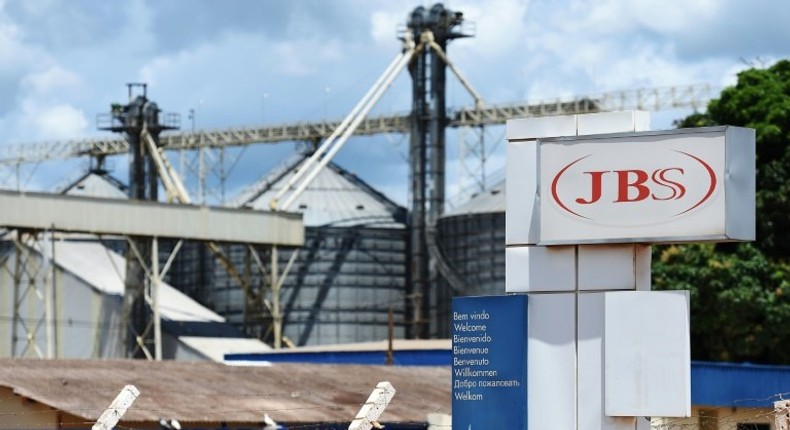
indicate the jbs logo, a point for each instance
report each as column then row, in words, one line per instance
column 631, row 185
column 581, row 187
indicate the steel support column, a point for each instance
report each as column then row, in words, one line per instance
column 133, row 119
column 427, row 151
column 32, row 330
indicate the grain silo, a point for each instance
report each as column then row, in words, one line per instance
column 343, row 283
column 471, row 241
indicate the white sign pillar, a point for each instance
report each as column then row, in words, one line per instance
column 602, row 349
column 565, row 284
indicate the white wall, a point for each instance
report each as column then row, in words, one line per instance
column 88, row 322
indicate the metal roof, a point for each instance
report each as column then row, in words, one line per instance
column 96, row 184
column 104, row 270
column 215, row 348
column 491, row 200
column 336, row 198
column 210, row 392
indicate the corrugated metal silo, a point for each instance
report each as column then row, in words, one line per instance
column 349, row 274
column 471, row 239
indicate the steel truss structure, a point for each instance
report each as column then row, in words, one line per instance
column 204, row 154
column 34, row 292
column 676, row 97
column 30, row 263
column 142, row 221
column 35, row 321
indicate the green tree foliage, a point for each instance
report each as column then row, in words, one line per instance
column 739, row 300
column 740, row 310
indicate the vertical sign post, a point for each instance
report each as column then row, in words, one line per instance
column 586, row 196
column 489, row 362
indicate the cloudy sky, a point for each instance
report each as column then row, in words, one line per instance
column 251, row 62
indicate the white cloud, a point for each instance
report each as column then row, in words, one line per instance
column 44, row 120
column 240, row 58
column 48, row 121
column 673, row 17
column 521, row 49
column 384, row 25
column 305, row 57
column 17, row 56
column 136, row 36
column 50, row 80
column 9, row 41
column 499, row 26
column 589, row 47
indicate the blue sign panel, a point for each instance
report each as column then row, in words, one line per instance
column 490, row 362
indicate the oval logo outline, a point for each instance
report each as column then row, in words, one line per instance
column 708, row 194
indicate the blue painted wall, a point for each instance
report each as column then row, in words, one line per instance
column 421, row 357
column 712, row 384
column 738, row 385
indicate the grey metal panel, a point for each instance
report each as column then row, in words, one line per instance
column 474, row 247
column 87, row 321
column 96, row 184
column 174, row 349
column 134, row 218
column 6, row 300
column 351, row 269
column 740, row 165
column 488, row 201
column 331, row 199
column 108, row 340
column 340, row 288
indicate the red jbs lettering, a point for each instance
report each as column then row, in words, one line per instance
column 635, row 185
